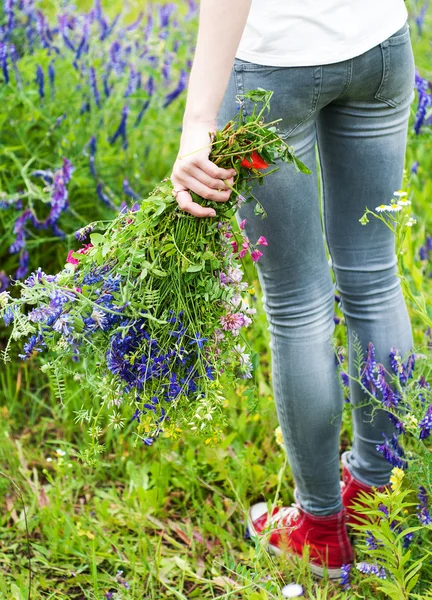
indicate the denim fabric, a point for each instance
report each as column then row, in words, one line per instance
column 356, row 114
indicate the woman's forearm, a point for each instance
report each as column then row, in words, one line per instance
column 221, row 25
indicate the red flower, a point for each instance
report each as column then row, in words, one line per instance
column 256, row 162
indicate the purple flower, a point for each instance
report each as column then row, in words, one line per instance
column 36, row 343
column 92, row 148
column 40, row 80
column 94, row 87
column 397, row 423
column 121, row 129
column 371, row 569
column 4, row 281
column 83, row 233
column 423, row 512
column 4, row 61
column 345, row 576
column 415, row 167
column 408, row 538
column 8, row 316
column 425, row 424
column 421, row 17
column 128, row 190
column 102, row 196
column 367, row 373
column 178, row 90
column 371, row 542
column 23, row 265
column 150, row 90
column 165, row 12
column 392, row 452
column 425, row 100
column 83, row 45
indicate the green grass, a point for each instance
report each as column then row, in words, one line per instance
column 171, row 517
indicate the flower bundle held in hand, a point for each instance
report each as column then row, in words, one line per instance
column 152, row 307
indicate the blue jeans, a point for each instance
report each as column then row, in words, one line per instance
column 356, row 113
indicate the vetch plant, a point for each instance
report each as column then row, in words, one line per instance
column 152, row 308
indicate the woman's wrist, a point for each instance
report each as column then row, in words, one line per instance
column 191, row 120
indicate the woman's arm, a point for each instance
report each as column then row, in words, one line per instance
column 221, row 24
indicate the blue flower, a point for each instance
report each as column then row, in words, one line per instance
column 345, row 576
column 35, row 343
column 198, row 340
column 392, row 452
column 371, row 569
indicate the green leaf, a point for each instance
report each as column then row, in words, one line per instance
column 301, row 166
column 194, row 268
column 97, row 239
column 258, row 209
column 159, row 272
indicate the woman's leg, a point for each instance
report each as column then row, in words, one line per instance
column 298, row 292
column 362, row 139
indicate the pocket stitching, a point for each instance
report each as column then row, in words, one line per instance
column 239, row 80
column 386, row 57
column 317, row 93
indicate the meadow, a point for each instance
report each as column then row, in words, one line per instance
column 92, row 99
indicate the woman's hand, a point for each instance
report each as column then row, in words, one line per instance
column 194, row 171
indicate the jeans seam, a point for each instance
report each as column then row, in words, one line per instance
column 285, row 407
column 348, row 78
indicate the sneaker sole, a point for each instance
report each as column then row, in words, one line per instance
column 316, row 569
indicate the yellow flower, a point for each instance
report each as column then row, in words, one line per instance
column 251, row 291
column 396, row 479
column 279, row 438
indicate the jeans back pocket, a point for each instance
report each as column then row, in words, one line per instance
column 296, row 91
column 398, row 79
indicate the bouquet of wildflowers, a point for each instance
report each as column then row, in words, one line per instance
column 153, row 305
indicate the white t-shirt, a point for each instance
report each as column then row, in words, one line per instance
column 296, row 33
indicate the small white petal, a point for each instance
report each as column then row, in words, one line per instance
column 292, row 590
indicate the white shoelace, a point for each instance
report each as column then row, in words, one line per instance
column 284, row 516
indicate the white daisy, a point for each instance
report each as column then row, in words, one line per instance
column 394, row 208
column 399, row 194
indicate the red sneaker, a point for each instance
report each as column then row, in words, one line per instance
column 290, row 528
column 350, row 491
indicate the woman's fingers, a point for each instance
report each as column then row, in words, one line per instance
column 184, row 200
column 214, row 171
column 214, row 184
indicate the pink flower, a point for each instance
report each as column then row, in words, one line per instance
column 228, row 235
column 256, row 255
column 242, row 224
column 79, row 290
column 74, row 261
column 70, row 259
column 232, row 321
column 243, row 253
column 85, row 248
column 234, row 246
column 262, row 241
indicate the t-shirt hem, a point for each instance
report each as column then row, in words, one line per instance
column 303, row 60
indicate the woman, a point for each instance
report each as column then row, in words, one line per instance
column 342, row 72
